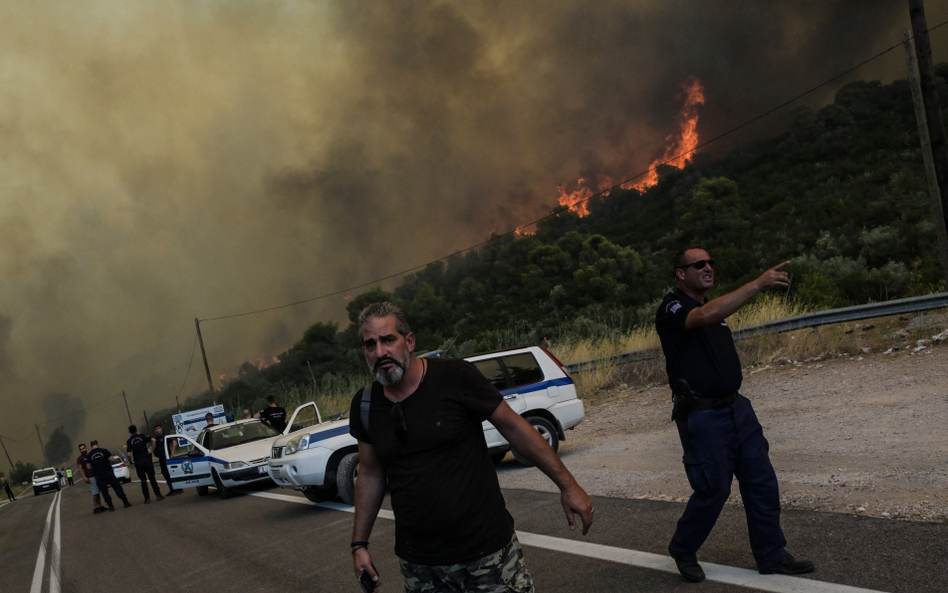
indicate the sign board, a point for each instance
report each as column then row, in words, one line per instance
column 193, row 422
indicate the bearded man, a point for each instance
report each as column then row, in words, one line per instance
column 423, row 435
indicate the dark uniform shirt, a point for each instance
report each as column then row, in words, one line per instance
column 275, row 416
column 99, row 459
column 138, row 446
column 160, row 447
column 704, row 356
column 444, row 488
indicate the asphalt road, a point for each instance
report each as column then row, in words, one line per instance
column 272, row 540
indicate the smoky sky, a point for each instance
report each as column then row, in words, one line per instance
column 167, row 160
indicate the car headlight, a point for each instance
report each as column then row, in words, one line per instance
column 235, row 465
column 300, row 443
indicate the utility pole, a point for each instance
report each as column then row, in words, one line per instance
column 12, row 467
column 936, row 125
column 934, row 193
column 129, row 414
column 207, row 369
column 42, row 448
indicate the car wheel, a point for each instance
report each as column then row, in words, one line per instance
column 222, row 491
column 546, row 430
column 346, row 475
column 36, row 492
column 202, row 490
column 314, row 494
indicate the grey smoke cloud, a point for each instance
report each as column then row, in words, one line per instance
column 170, row 160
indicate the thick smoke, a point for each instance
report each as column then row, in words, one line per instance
column 170, row 160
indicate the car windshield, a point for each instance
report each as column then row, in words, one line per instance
column 238, row 434
column 115, row 460
column 44, row 473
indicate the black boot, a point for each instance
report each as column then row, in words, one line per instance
column 127, row 504
column 111, row 507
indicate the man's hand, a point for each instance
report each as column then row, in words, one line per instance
column 362, row 560
column 576, row 502
column 86, row 479
column 774, row 277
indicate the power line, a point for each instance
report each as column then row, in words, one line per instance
column 78, row 411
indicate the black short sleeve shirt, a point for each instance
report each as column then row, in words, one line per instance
column 704, row 356
column 138, row 445
column 100, row 460
column 275, row 416
column 445, row 492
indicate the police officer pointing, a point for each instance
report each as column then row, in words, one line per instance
column 719, row 431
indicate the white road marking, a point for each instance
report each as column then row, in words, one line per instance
column 721, row 573
column 713, row 572
column 40, row 569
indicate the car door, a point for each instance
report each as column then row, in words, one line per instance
column 305, row 416
column 191, row 463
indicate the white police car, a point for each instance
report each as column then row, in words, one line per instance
column 324, row 461
column 229, row 455
column 120, row 469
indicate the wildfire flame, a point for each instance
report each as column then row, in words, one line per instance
column 679, row 145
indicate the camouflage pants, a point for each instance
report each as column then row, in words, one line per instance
column 500, row 572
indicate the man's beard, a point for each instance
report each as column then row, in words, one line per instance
column 395, row 374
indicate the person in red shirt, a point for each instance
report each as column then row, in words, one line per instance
column 85, row 470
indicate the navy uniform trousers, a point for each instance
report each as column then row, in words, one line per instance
column 719, row 445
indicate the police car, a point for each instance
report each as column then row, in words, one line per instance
column 120, row 469
column 324, row 461
column 45, row 480
column 229, row 455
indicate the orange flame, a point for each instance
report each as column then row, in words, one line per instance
column 575, row 196
column 687, row 139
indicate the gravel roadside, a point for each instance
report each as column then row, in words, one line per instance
column 859, row 435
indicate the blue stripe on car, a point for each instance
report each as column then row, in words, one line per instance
column 328, row 434
column 538, row 386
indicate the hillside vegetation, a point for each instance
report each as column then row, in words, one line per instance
column 842, row 193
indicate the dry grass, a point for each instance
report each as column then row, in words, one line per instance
column 333, row 395
column 843, row 339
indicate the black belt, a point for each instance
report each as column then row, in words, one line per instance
column 701, row 404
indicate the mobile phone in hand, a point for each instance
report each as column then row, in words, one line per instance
column 366, row 582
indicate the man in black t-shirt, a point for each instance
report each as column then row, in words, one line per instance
column 719, row 431
column 423, row 435
column 138, row 446
column 273, row 415
column 101, row 461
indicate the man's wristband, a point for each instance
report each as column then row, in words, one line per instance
column 358, row 546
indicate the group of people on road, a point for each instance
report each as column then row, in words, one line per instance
column 420, row 437
column 95, row 468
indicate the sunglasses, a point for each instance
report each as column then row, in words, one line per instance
column 401, row 431
column 698, row 265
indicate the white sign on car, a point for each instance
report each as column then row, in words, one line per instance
column 193, row 421
column 323, row 462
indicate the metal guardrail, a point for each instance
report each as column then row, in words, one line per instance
column 846, row 314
